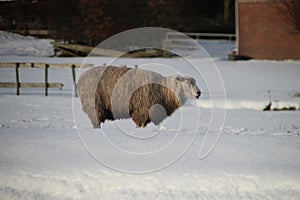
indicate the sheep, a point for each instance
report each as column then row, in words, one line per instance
column 110, row 93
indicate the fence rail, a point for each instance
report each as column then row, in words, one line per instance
column 197, row 36
column 42, row 65
column 174, row 40
column 212, row 35
column 31, row 85
column 17, row 84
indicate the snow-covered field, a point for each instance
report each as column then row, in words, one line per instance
column 48, row 149
column 15, row 44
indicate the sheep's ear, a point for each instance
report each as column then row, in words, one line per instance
column 179, row 78
column 190, row 79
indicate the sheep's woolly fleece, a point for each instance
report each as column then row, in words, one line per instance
column 109, row 93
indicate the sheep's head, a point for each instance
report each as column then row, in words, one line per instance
column 184, row 87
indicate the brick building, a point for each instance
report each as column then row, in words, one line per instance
column 263, row 31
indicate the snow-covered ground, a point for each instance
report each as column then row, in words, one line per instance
column 15, row 44
column 48, row 149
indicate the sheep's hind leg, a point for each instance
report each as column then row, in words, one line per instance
column 96, row 119
column 96, row 124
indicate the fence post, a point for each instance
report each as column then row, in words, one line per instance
column 17, row 79
column 46, row 79
column 74, row 80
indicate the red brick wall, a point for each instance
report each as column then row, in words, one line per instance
column 264, row 33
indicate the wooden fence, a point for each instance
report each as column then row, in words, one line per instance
column 180, row 40
column 17, row 84
column 197, row 36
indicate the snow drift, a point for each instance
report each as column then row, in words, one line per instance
column 14, row 44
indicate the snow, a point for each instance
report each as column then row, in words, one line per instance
column 48, row 149
column 15, row 44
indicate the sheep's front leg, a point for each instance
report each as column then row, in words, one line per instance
column 143, row 125
column 140, row 119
